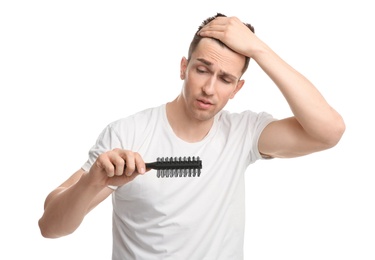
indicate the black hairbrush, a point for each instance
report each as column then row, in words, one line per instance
column 176, row 167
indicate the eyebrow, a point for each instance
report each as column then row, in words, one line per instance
column 225, row 74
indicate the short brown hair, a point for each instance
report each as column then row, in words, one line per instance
column 197, row 38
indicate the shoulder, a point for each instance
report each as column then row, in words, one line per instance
column 247, row 124
column 246, row 117
column 122, row 132
column 141, row 118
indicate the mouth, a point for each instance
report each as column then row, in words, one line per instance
column 204, row 103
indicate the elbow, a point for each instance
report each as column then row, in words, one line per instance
column 47, row 232
column 336, row 131
column 44, row 230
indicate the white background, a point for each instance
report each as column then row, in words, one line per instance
column 68, row 68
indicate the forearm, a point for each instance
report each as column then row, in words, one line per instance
column 65, row 210
column 309, row 107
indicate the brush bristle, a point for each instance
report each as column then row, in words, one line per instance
column 177, row 167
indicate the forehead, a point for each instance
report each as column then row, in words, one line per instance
column 220, row 56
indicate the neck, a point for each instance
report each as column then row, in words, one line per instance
column 184, row 125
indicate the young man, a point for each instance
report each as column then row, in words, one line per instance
column 194, row 218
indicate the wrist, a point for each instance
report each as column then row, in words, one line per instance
column 90, row 182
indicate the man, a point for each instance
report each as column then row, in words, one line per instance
column 201, row 217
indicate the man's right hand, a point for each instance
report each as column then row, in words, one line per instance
column 116, row 168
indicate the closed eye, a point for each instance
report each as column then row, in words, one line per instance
column 226, row 81
column 201, row 70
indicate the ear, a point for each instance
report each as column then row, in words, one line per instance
column 183, row 67
column 239, row 85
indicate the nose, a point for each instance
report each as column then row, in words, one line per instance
column 209, row 86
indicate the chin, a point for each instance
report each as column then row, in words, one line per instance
column 204, row 115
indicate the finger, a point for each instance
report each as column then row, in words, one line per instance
column 140, row 164
column 105, row 164
column 128, row 156
column 218, row 21
column 115, row 164
column 214, row 27
column 212, row 31
column 119, row 164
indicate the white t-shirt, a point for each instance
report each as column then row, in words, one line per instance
column 182, row 218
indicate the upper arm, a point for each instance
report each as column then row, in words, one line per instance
column 72, row 180
column 286, row 138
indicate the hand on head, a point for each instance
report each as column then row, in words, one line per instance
column 232, row 32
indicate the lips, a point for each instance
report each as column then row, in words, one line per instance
column 204, row 103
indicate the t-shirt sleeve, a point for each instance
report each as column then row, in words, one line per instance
column 107, row 140
column 259, row 122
